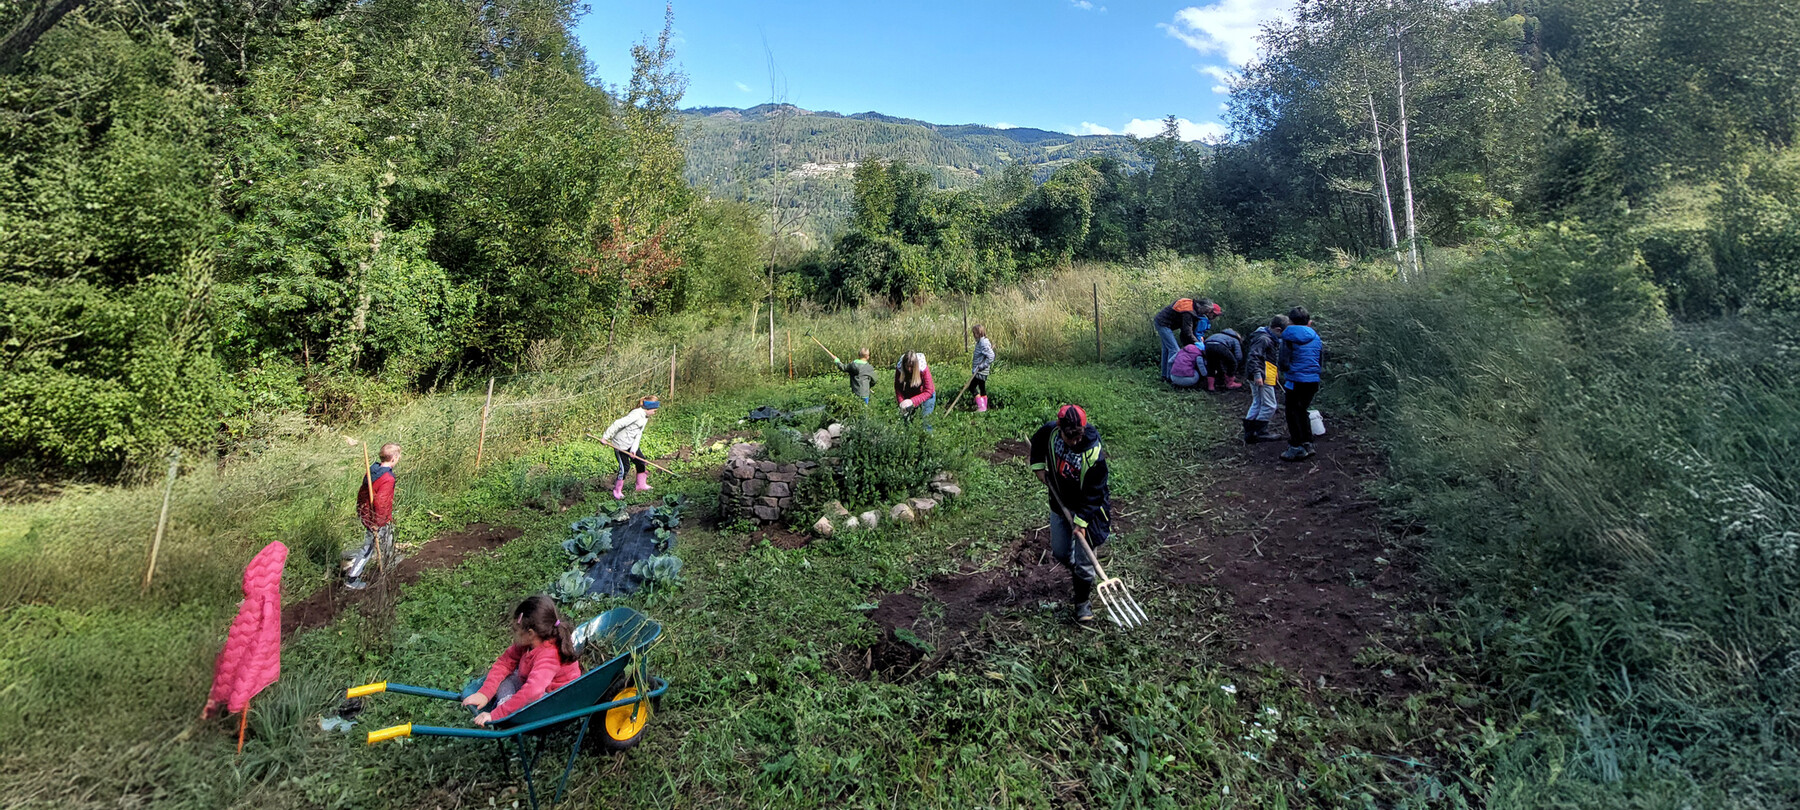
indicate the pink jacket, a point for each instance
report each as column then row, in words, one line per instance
column 541, row 671
column 251, row 659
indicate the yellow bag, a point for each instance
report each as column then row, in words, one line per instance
column 1270, row 373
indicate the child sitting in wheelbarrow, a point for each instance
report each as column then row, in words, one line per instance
column 541, row 660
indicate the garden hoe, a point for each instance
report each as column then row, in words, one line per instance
column 1120, row 606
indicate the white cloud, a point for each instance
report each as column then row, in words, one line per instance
column 1226, row 27
column 1003, row 125
column 1190, row 131
column 1085, row 5
column 742, row 87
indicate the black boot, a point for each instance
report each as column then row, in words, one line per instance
column 1263, row 433
column 1250, row 428
column 1084, row 593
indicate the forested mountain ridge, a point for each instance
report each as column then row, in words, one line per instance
column 732, row 153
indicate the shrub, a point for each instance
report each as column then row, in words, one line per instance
column 875, row 461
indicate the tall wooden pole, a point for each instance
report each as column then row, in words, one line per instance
column 480, row 441
column 671, row 372
column 163, row 520
column 1098, row 355
column 965, row 324
column 790, row 347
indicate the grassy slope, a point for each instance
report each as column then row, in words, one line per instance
column 763, row 711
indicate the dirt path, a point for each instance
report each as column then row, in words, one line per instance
column 1308, row 573
column 443, row 551
column 1312, row 574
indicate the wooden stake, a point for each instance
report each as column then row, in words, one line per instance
column 369, row 484
column 480, row 441
column 1098, row 354
column 755, row 307
column 671, row 372
column 965, row 324
column 243, row 723
column 163, row 520
column 790, row 347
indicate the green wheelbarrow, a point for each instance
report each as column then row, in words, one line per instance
column 620, row 691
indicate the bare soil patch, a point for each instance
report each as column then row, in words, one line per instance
column 1313, row 574
column 443, row 551
column 946, row 613
column 1008, row 449
column 778, row 536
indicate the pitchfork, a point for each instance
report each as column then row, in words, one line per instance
column 1121, row 607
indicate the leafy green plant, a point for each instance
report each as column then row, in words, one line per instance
column 661, row 571
column 569, row 586
column 592, row 537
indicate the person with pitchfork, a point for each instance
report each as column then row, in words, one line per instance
column 1068, row 458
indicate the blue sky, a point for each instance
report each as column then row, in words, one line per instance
column 1080, row 66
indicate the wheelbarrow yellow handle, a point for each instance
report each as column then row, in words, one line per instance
column 366, row 690
column 389, row 733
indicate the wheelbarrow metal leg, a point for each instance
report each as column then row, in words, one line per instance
column 525, row 763
column 579, row 736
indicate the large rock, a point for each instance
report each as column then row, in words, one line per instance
column 778, row 489
column 784, row 476
column 823, row 528
column 835, row 429
column 948, row 490
column 902, row 513
column 836, row 509
column 743, row 451
column 853, row 523
column 767, row 514
column 923, row 504
column 743, row 470
column 766, row 500
column 821, row 439
column 870, row 519
column 753, row 487
column 941, row 478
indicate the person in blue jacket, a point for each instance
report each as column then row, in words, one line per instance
column 1302, row 360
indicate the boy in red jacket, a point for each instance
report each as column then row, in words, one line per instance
column 375, row 506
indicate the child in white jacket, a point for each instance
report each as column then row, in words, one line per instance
column 623, row 436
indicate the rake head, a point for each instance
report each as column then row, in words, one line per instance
column 1121, row 607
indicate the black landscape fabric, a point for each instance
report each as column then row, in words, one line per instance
column 610, row 575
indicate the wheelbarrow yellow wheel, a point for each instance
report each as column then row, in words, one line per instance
column 622, row 727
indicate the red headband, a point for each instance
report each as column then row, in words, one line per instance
column 1078, row 412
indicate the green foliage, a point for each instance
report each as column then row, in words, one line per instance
column 661, row 572
column 591, row 538
column 876, row 461
column 569, row 586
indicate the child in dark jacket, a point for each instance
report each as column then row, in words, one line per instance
column 1067, row 456
column 1302, row 363
column 541, row 660
column 1261, row 356
column 1224, row 358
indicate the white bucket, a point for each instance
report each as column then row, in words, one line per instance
column 1318, row 422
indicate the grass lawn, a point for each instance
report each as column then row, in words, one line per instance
column 772, row 702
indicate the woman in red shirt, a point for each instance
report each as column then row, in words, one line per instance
column 541, row 660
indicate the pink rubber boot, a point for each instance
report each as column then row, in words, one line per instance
column 1231, row 384
column 619, row 489
column 1209, row 383
column 643, row 484
column 981, row 404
